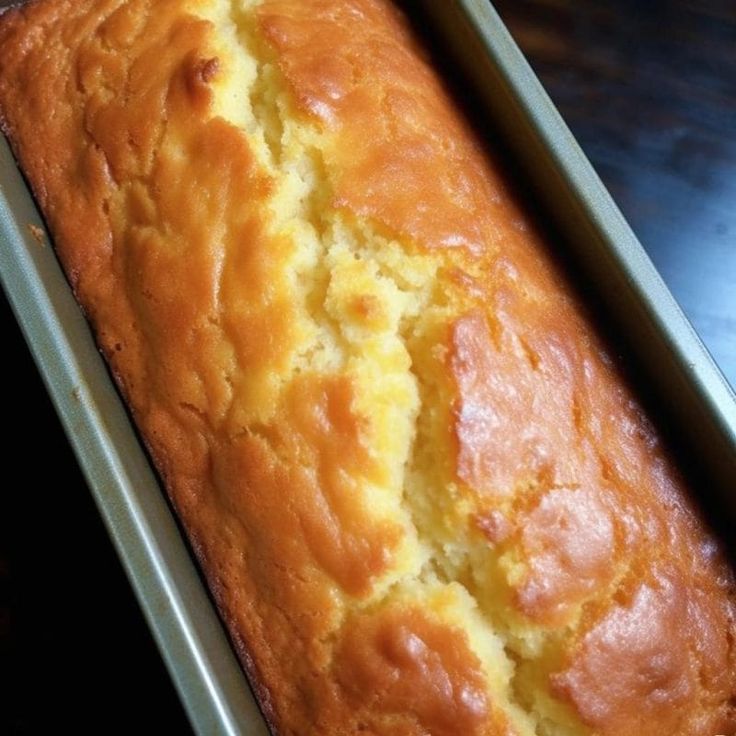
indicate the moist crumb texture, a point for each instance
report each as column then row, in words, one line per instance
column 423, row 496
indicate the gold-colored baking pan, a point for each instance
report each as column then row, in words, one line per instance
column 677, row 377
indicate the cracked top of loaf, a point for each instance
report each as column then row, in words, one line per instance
column 424, row 498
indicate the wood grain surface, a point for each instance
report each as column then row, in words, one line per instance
column 648, row 88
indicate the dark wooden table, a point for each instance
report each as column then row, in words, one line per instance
column 649, row 89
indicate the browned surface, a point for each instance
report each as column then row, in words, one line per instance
column 403, row 663
column 653, row 652
column 415, row 173
column 179, row 284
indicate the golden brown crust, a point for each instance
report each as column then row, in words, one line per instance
column 403, row 664
column 400, row 153
column 422, row 495
column 651, row 642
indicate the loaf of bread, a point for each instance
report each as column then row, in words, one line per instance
column 421, row 492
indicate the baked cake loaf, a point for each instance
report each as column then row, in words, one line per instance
column 422, row 494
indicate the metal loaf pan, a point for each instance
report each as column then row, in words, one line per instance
column 676, row 373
